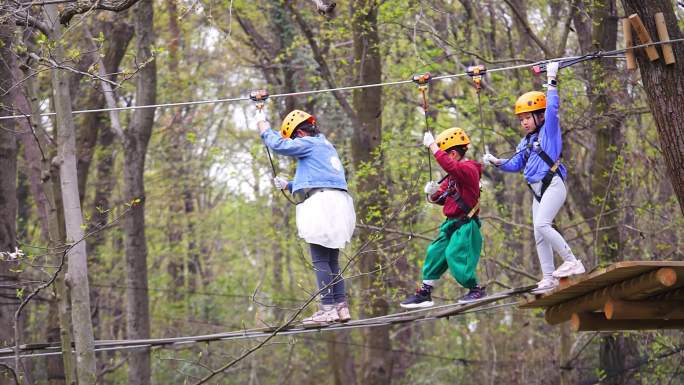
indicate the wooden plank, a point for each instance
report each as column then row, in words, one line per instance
column 627, row 35
column 649, row 309
column 635, row 288
column 663, row 35
column 597, row 322
column 644, row 36
column 580, row 285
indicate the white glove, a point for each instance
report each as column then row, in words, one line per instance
column 431, row 187
column 263, row 125
column 428, row 139
column 490, row 159
column 280, row 182
column 552, row 69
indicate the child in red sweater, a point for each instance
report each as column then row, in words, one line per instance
column 459, row 243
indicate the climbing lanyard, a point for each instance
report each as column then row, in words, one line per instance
column 476, row 73
column 423, row 80
column 539, row 68
column 259, row 97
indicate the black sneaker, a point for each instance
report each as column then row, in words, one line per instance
column 421, row 298
column 474, row 294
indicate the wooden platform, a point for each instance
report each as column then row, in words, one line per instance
column 632, row 295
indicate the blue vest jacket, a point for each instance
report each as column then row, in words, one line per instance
column 549, row 138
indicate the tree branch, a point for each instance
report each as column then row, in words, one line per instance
column 83, row 6
column 323, row 65
column 26, row 20
column 528, row 29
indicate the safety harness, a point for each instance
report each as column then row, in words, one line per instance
column 468, row 212
column 553, row 169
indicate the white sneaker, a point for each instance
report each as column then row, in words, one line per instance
column 325, row 316
column 546, row 284
column 343, row 312
column 569, row 268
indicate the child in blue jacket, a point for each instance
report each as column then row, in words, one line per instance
column 325, row 213
column 538, row 156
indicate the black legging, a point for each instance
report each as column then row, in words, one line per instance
column 327, row 267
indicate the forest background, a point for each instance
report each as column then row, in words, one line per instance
column 164, row 222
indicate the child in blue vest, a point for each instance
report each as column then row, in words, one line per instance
column 325, row 213
column 538, row 156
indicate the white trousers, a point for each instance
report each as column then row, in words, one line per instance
column 547, row 238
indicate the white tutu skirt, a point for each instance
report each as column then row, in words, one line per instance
column 327, row 218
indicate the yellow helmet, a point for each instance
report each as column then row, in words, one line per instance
column 451, row 137
column 292, row 120
column 530, row 101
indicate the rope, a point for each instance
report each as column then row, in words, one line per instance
column 105, row 345
column 598, row 54
column 423, row 81
column 259, row 97
column 482, row 134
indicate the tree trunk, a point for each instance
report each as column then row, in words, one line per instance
column 615, row 357
column 135, row 148
column 605, row 90
column 56, row 237
column 45, row 187
column 73, row 218
column 341, row 361
column 376, row 368
column 664, row 85
column 8, row 193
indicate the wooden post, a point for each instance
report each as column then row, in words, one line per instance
column 615, row 309
column 629, row 53
column 644, row 37
column 661, row 27
column 639, row 287
column 581, row 322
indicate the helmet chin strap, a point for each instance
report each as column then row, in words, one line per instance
column 537, row 126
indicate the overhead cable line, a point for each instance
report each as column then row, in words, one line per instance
column 596, row 55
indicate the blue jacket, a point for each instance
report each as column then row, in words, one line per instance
column 549, row 138
column 318, row 164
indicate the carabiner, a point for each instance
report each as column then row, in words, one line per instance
column 259, row 97
column 476, row 73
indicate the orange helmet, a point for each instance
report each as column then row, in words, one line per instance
column 451, row 137
column 530, row 101
column 292, row 120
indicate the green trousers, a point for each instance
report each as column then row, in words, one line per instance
column 456, row 248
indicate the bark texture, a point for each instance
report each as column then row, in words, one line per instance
column 135, row 149
column 664, row 85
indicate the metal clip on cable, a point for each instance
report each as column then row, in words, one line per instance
column 259, row 97
column 541, row 68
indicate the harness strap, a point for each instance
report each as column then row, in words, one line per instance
column 469, row 212
column 546, row 181
column 553, row 169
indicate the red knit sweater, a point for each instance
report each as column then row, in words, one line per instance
column 465, row 176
